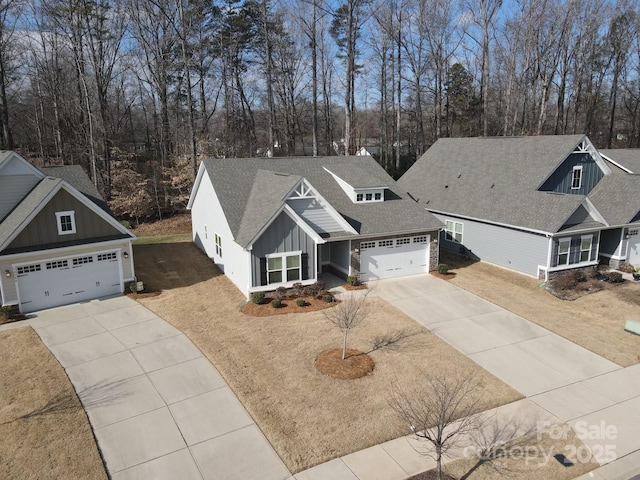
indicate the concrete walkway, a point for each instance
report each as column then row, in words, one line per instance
column 157, row 406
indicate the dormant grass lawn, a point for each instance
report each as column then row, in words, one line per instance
column 308, row 417
column 595, row 321
column 44, row 432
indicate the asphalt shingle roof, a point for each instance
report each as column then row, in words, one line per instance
column 244, row 185
column 616, row 197
column 75, row 176
column 627, row 157
column 495, row 179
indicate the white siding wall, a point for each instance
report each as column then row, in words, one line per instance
column 206, row 210
column 8, row 290
column 514, row 249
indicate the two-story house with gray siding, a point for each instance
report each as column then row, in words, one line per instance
column 59, row 244
column 537, row 205
column 271, row 222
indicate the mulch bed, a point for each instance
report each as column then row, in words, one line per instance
column 13, row 318
column 139, row 295
column 444, row 276
column 288, row 306
column 356, row 364
column 346, row 286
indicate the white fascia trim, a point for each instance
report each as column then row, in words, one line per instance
column 196, row 185
column 363, row 189
column 61, row 250
column 490, row 222
column 13, row 155
column 595, row 154
column 593, row 211
column 609, row 159
column 327, row 206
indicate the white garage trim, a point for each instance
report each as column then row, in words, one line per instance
column 51, row 282
column 394, row 257
column 633, row 247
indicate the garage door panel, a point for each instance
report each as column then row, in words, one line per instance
column 633, row 256
column 394, row 258
column 62, row 281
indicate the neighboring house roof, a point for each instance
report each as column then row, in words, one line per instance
column 251, row 191
column 495, row 179
column 626, row 158
column 616, row 198
column 76, row 177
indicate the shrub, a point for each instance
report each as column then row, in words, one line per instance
column 275, row 303
column 327, row 298
column 281, row 293
column 626, row 268
column 296, row 290
column 314, row 289
column 615, row 277
column 443, row 268
column 8, row 311
column 354, row 281
column 257, row 297
column 301, row 302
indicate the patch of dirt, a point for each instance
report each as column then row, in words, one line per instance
column 356, row 364
column 431, row 475
column 139, row 295
column 12, row 318
column 308, row 417
column 288, row 306
column 44, row 430
column 594, row 321
column 179, row 223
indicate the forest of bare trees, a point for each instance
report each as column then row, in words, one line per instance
column 138, row 91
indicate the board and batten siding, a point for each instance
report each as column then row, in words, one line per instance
column 574, row 249
column 43, row 228
column 310, row 210
column 560, row 180
column 283, row 235
column 510, row 248
column 14, row 188
column 207, row 220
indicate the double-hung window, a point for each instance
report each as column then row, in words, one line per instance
column 218, row 240
column 453, row 231
column 564, row 249
column 284, row 267
column 576, row 177
column 586, row 241
column 66, row 222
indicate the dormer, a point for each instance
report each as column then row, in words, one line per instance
column 579, row 172
column 359, row 187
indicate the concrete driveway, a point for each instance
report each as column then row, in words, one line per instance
column 570, row 382
column 158, row 408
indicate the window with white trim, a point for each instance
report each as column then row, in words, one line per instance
column 218, row 240
column 564, row 250
column 284, row 267
column 359, row 197
column 453, row 231
column 377, row 196
column 576, row 177
column 586, row 242
column 66, row 222
column 369, row 196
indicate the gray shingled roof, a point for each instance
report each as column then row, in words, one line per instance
column 627, row 157
column 616, row 198
column 357, row 179
column 75, row 176
column 22, row 211
column 495, row 179
column 242, row 185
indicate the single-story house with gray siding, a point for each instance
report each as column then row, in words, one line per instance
column 537, row 205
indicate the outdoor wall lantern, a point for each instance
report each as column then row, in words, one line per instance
column 125, row 255
column 7, row 273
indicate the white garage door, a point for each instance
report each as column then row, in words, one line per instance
column 60, row 281
column 633, row 256
column 394, row 258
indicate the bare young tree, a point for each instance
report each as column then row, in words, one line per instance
column 439, row 410
column 348, row 314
